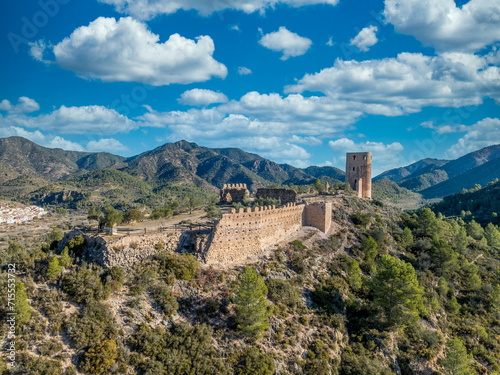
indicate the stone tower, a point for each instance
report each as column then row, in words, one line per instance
column 358, row 173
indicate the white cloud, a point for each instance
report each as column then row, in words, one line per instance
column 41, row 139
column 107, row 144
column 74, row 120
column 330, row 42
column 445, row 26
column 406, row 84
column 37, row 49
column 26, row 105
column 147, row 9
column 243, row 71
column 482, row 134
column 365, row 39
column 285, row 41
column 386, row 155
column 125, row 50
column 309, row 141
column 235, row 27
column 202, row 97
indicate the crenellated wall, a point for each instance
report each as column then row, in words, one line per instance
column 250, row 232
column 233, row 193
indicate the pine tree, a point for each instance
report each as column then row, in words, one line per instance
column 22, row 307
column 54, row 269
column 252, row 310
column 65, row 261
column 427, row 222
column 492, row 235
column 407, row 238
column 396, row 291
column 355, row 280
column 453, row 306
column 495, row 303
column 369, row 247
column 456, row 361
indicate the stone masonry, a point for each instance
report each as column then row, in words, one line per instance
column 285, row 195
column 319, row 215
column 248, row 232
column 124, row 251
column 233, row 193
column 358, row 173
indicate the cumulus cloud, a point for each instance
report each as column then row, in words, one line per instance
column 202, row 97
column 147, row 9
column 37, row 49
column 385, row 154
column 482, row 134
column 365, row 39
column 126, row 50
column 290, row 44
column 445, row 26
column 41, row 139
column 407, row 83
column 26, row 105
column 106, row 144
column 243, row 71
column 74, row 120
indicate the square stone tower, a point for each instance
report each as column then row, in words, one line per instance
column 358, row 173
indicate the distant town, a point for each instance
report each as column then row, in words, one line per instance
column 10, row 215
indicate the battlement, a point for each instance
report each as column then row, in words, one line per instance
column 233, row 193
column 234, row 186
column 250, row 231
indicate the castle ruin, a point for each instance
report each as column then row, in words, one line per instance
column 249, row 232
column 233, row 193
column 358, row 173
column 285, row 195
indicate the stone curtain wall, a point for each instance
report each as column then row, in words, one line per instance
column 286, row 195
column 248, row 232
column 231, row 193
column 318, row 215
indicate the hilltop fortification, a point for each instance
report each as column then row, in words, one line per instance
column 358, row 173
column 249, row 232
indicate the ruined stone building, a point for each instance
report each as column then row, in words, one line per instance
column 358, row 173
column 233, row 193
column 249, row 232
column 285, row 195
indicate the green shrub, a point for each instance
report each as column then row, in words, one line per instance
column 284, row 291
column 162, row 293
column 99, row 358
column 95, row 324
column 85, row 285
column 50, row 347
column 183, row 266
column 254, row 362
column 143, row 277
column 360, row 219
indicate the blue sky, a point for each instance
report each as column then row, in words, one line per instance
column 298, row 81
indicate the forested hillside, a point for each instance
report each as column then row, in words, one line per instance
column 479, row 204
column 389, row 293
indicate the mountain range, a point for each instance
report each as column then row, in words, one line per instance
column 172, row 162
column 24, row 163
column 434, row 178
